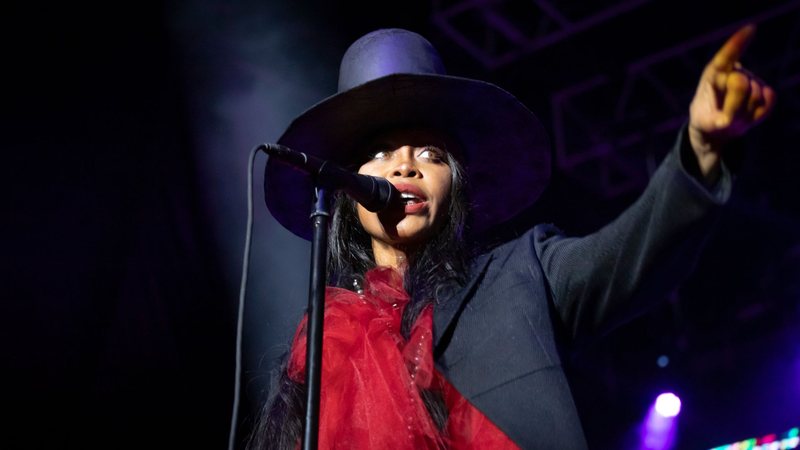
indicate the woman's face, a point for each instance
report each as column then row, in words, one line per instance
column 415, row 162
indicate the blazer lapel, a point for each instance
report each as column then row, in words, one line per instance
column 446, row 313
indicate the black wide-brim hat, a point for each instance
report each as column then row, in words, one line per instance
column 394, row 78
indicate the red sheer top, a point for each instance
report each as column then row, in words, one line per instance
column 371, row 376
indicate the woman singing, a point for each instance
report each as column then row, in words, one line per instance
column 430, row 342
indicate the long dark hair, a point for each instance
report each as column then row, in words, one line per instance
column 436, row 269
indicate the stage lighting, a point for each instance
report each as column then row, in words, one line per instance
column 659, row 428
column 784, row 441
column 668, row 405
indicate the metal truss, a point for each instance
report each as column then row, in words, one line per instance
column 609, row 132
column 499, row 32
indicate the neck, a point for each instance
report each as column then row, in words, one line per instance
column 391, row 255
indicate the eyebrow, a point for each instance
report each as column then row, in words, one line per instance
column 380, row 141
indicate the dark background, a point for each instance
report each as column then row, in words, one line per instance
column 126, row 133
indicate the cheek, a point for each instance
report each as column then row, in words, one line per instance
column 368, row 220
column 369, row 168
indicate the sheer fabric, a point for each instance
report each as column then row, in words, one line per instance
column 371, row 376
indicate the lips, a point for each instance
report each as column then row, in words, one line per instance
column 412, row 197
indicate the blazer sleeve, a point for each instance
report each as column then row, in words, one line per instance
column 604, row 278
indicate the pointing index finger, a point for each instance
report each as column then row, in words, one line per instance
column 733, row 48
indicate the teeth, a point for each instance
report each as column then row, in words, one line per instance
column 409, row 198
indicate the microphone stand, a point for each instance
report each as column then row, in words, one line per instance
column 374, row 194
column 316, row 304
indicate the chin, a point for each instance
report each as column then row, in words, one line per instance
column 410, row 230
column 410, row 233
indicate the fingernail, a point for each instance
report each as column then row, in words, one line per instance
column 722, row 122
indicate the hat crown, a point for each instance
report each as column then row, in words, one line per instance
column 387, row 52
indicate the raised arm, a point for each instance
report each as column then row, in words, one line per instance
column 608, row 276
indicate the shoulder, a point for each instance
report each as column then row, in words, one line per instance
column 526, row 242
column 516, row 258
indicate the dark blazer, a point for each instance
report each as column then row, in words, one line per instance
column 497, row 340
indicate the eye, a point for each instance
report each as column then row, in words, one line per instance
column 432, row 153
column 380, row 154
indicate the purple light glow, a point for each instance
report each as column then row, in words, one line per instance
column 657, row 432
column 668, row 405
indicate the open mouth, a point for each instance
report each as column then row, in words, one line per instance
column 408, row 198
column 412, row 198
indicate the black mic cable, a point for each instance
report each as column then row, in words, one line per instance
column 242, row 290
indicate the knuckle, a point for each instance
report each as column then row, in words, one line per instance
column 738, row 81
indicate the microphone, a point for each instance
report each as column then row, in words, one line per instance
column 373, row 193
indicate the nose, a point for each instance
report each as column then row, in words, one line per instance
column 405, row 165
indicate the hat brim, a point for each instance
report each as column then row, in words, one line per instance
column 506, row 149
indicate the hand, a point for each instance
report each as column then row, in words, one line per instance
column 729, row 101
